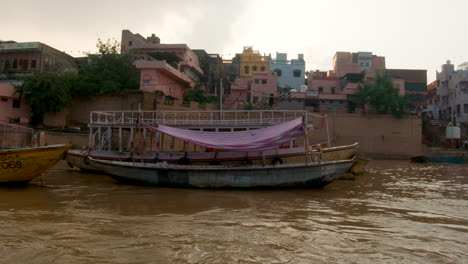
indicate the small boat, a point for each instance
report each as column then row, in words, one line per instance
column 444, row 159
column 24, row 164
column 458, row 160
column 312, row 175
column 77, row 157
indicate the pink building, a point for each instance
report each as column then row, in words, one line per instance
column 160, row 76
column 261, row 91
column 264, row 86
column 334, row 89
column 172, row 78
column 239, row 93
column 141, row 49
column 12, row 107
column 18, row 60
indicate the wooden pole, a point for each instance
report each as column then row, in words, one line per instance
column 306, row 141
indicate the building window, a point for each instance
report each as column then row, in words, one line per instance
column 169, row 100
column 255, row 99
column 320, row 89
column 257, row 81
column 4, row 99
column 25, row 65
column 297, row 73
column 246, row 69
column 7, row 65
column 367, row 64
column 33, row 64
column 264, row 81
column 465, row 108
column 130, row 43
column 262, row 68
column 278, row 72
column 333, row 90
column 254, row 68
column 15, row 63
column 16, row 103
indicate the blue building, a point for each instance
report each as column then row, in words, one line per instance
column 290, row 73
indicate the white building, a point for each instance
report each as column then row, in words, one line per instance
column 452, row 92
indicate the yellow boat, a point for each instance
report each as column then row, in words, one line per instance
column 25, row 164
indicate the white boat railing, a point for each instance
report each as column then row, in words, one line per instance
column 195, row 118
column 116, row 130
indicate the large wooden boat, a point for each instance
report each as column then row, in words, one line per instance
column 77, row 157
column 311, row 175
column 25, row 164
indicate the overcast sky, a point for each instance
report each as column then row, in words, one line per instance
column 411, row 34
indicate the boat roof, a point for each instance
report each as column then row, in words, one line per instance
column 258, row 139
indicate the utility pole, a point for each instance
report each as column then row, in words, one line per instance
column 220, row 96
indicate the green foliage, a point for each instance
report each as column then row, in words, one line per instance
column 169, row 57
column 382, row 96
column 47, row 92
column 107, row 74
column 247, row 106
column 196, row 95
column 109, row 47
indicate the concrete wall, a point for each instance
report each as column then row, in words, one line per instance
column 380, row 135
column 78, row 114
column 52, row 138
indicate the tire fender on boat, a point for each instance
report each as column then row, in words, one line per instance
column 277, row 161
column 86, row 160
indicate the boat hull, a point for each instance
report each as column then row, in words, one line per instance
column 78, row 159
column 314, row 175
column 25, row 164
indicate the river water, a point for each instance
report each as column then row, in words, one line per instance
column 398, row 212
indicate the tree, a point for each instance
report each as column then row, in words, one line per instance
column 197, row 95
column 109, row 47
column 107, row 72
column 47, row 92
column 381, row 95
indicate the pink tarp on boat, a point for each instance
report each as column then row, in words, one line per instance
column 258, row 139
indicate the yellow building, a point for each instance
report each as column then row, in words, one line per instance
column 252, row 61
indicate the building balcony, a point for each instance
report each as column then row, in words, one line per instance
column 163, row 67
column 332, row 97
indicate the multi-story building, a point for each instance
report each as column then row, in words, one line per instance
column 252, row 61
column 414, row 83
column 261, row 91
column 347, row 62
column 335, row 89
column 324, row 92
column 452, row 92
column 264, row 88
column 168, row 68
column 213, row 69
column 18, row 60
column 291, row 73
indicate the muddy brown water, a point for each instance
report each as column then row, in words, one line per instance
column 398, row 212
